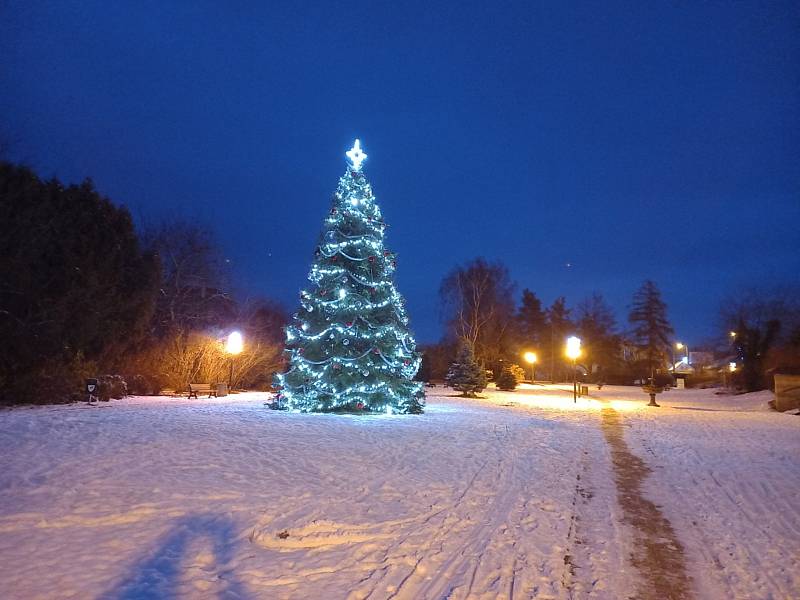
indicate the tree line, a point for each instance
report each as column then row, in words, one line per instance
column 480, row 311
column 82, row 294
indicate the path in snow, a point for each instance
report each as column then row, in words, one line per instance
column 658, row 555
column 513, row 496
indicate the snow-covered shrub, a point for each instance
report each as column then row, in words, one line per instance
column 111, row 386
column 143, row 385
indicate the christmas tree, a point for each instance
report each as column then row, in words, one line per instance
column 349, row 346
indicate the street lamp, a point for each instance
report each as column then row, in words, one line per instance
column 573, row 352
column 680, row 346
column 530, row 357
column 233, row 346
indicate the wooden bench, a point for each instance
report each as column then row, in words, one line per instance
column 202, row 388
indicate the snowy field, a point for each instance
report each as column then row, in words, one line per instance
column 519, row 495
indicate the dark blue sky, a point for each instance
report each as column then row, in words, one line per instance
column 630, row 140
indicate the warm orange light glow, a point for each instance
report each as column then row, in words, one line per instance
column 530, row 357
column 679, row 346
column 235, row 343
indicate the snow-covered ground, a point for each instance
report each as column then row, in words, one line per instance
column 512, row 496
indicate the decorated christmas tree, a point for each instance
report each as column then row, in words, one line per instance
column 349, row 346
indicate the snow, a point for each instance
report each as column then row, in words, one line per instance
column 514, row 495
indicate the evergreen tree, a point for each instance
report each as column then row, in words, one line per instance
column 507, row 380
column 559, row 327
column 466, row 374
column 76, row 288
column 531, row 321
column 651, row 329
column 349, row 346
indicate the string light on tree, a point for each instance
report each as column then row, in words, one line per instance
column 349, row 346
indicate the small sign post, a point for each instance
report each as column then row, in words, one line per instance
column 91, row 390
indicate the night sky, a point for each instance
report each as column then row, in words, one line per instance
column 587, row 145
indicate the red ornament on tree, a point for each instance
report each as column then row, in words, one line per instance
column 376, row 351
column 371, row 259
column 349, row 324
column 360, row 405
column 333, row 210
column 386, row 253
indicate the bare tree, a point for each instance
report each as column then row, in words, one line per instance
column 597, row 328
column 756, row 320
column 193, row 279
column 478, row 307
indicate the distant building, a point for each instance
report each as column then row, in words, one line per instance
column 701, row 360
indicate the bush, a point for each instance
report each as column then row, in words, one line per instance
column 57, row 381
column 518, row 373
column 507, row 380
column 111, row 386
column 143, row 385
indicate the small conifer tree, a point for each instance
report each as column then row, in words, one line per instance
column 466, row 375
column 507, row 381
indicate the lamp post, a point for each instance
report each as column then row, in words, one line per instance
column 530, row 357
column 233, row 346
column 573, row 352
column 681, row 346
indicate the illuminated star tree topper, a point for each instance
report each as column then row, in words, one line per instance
column 356, row 156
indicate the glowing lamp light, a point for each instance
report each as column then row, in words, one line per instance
column 356, row 156
column 679, row 346
column 573, row 347
column 732, row 334
column 732, row 367
column 530, row 357
column 235, row 343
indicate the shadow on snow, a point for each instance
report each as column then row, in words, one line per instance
column 160, row 574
